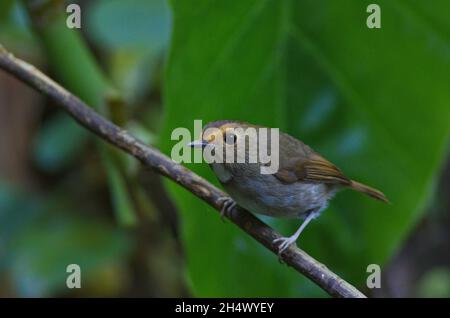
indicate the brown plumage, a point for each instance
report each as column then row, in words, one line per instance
column 304, row 164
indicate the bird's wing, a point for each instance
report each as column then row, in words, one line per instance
column 308, row 166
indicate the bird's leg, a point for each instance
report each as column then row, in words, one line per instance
column 228, row 205
column 288, row 241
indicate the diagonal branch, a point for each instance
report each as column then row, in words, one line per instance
column 153, row 158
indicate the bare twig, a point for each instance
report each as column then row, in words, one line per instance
column 153, row 158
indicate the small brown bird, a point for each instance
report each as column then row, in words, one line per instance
column 300, row 188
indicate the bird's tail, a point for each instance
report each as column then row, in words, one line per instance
column 374, row 193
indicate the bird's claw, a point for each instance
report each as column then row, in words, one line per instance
column 228, row 205
column 285, row 243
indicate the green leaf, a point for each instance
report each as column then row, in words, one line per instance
column 374, row 101
column 6, row 7
column 120, row 195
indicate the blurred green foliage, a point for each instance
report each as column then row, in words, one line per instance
column 435, row 283
column 374, row 101
column 140, row 24
column 41, row 236
column 54, row 151
column 134, row 34
column 42, row 233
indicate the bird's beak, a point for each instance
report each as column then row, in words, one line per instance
column 197, row 144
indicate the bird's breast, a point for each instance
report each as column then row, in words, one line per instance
column 221, row 172
column 264, row 194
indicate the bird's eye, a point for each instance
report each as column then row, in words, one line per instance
column 230, row 139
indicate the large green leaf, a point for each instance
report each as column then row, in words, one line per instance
column 374, row 101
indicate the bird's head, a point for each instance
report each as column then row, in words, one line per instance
column 225, row 135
